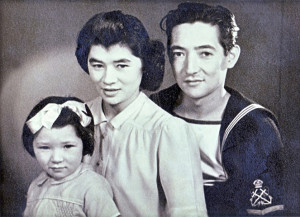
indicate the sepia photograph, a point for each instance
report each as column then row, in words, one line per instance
column 149, row 108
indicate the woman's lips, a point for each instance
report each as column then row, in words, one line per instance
column 110, row 91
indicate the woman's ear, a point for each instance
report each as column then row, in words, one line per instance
column 233, row 56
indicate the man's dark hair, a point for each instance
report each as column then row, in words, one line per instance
column 191, row 12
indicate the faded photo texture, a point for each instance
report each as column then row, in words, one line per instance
column 38, row 41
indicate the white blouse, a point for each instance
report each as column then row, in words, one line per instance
column 151, row 159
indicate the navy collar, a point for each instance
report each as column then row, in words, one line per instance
column 167, row 99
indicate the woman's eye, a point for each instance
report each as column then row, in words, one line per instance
column 68, row 146
column 44, row 147
column 122, row 66
column 98, row 66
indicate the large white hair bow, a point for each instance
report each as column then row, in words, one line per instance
column 48, row 115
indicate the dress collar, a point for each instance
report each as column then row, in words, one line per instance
column 44, row 177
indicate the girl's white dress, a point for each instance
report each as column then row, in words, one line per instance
column 83, row 193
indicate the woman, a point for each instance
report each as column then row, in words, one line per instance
column 149, row 157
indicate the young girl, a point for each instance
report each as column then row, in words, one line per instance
column 58, row 132
column 150, row 158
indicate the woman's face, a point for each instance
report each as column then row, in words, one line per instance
column 117, row 74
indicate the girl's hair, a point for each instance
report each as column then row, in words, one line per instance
column 66, row 117
column 114, row 27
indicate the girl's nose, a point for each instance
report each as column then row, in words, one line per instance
column 57, row 156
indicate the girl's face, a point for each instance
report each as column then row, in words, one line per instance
column 58, row 151
column 117, row 74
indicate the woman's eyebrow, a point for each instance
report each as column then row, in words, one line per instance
column 124, row 60
column 92, row 60
column 42, row 143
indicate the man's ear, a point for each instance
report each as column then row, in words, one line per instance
column 233, row 56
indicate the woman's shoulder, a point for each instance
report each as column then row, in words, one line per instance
column 153, row 113
column 94, row 104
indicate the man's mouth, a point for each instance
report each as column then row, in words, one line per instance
column 194, row 81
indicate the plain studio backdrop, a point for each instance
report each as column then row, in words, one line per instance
column 38, row 41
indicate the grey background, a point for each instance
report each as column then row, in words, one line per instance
column 37, row 43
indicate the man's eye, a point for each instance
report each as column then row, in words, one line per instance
column 178, row 54
column 206, row 54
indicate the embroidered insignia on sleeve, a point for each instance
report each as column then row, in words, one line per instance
column 260, row 195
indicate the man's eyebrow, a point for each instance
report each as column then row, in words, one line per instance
column 174, row 47
column 196, row 48
column 205, row 47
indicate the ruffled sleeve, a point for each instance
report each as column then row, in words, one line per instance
column 180, row 170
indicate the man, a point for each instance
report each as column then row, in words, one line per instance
column 240, row 142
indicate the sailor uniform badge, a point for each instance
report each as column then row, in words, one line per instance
column 260, row 195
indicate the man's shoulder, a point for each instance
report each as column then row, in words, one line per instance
column 167, row 97
column 258, row 121
column 238, row 102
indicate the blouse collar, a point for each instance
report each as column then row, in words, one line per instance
column 119, row 119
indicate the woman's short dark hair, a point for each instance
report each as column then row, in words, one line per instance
column 114, row 27
column 189, row 12
column 66, row 117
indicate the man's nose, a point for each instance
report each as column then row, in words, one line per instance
column 191, row 64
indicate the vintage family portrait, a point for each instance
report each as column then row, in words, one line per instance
column 149, row 108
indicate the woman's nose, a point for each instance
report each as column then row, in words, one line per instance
column 110, row 76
